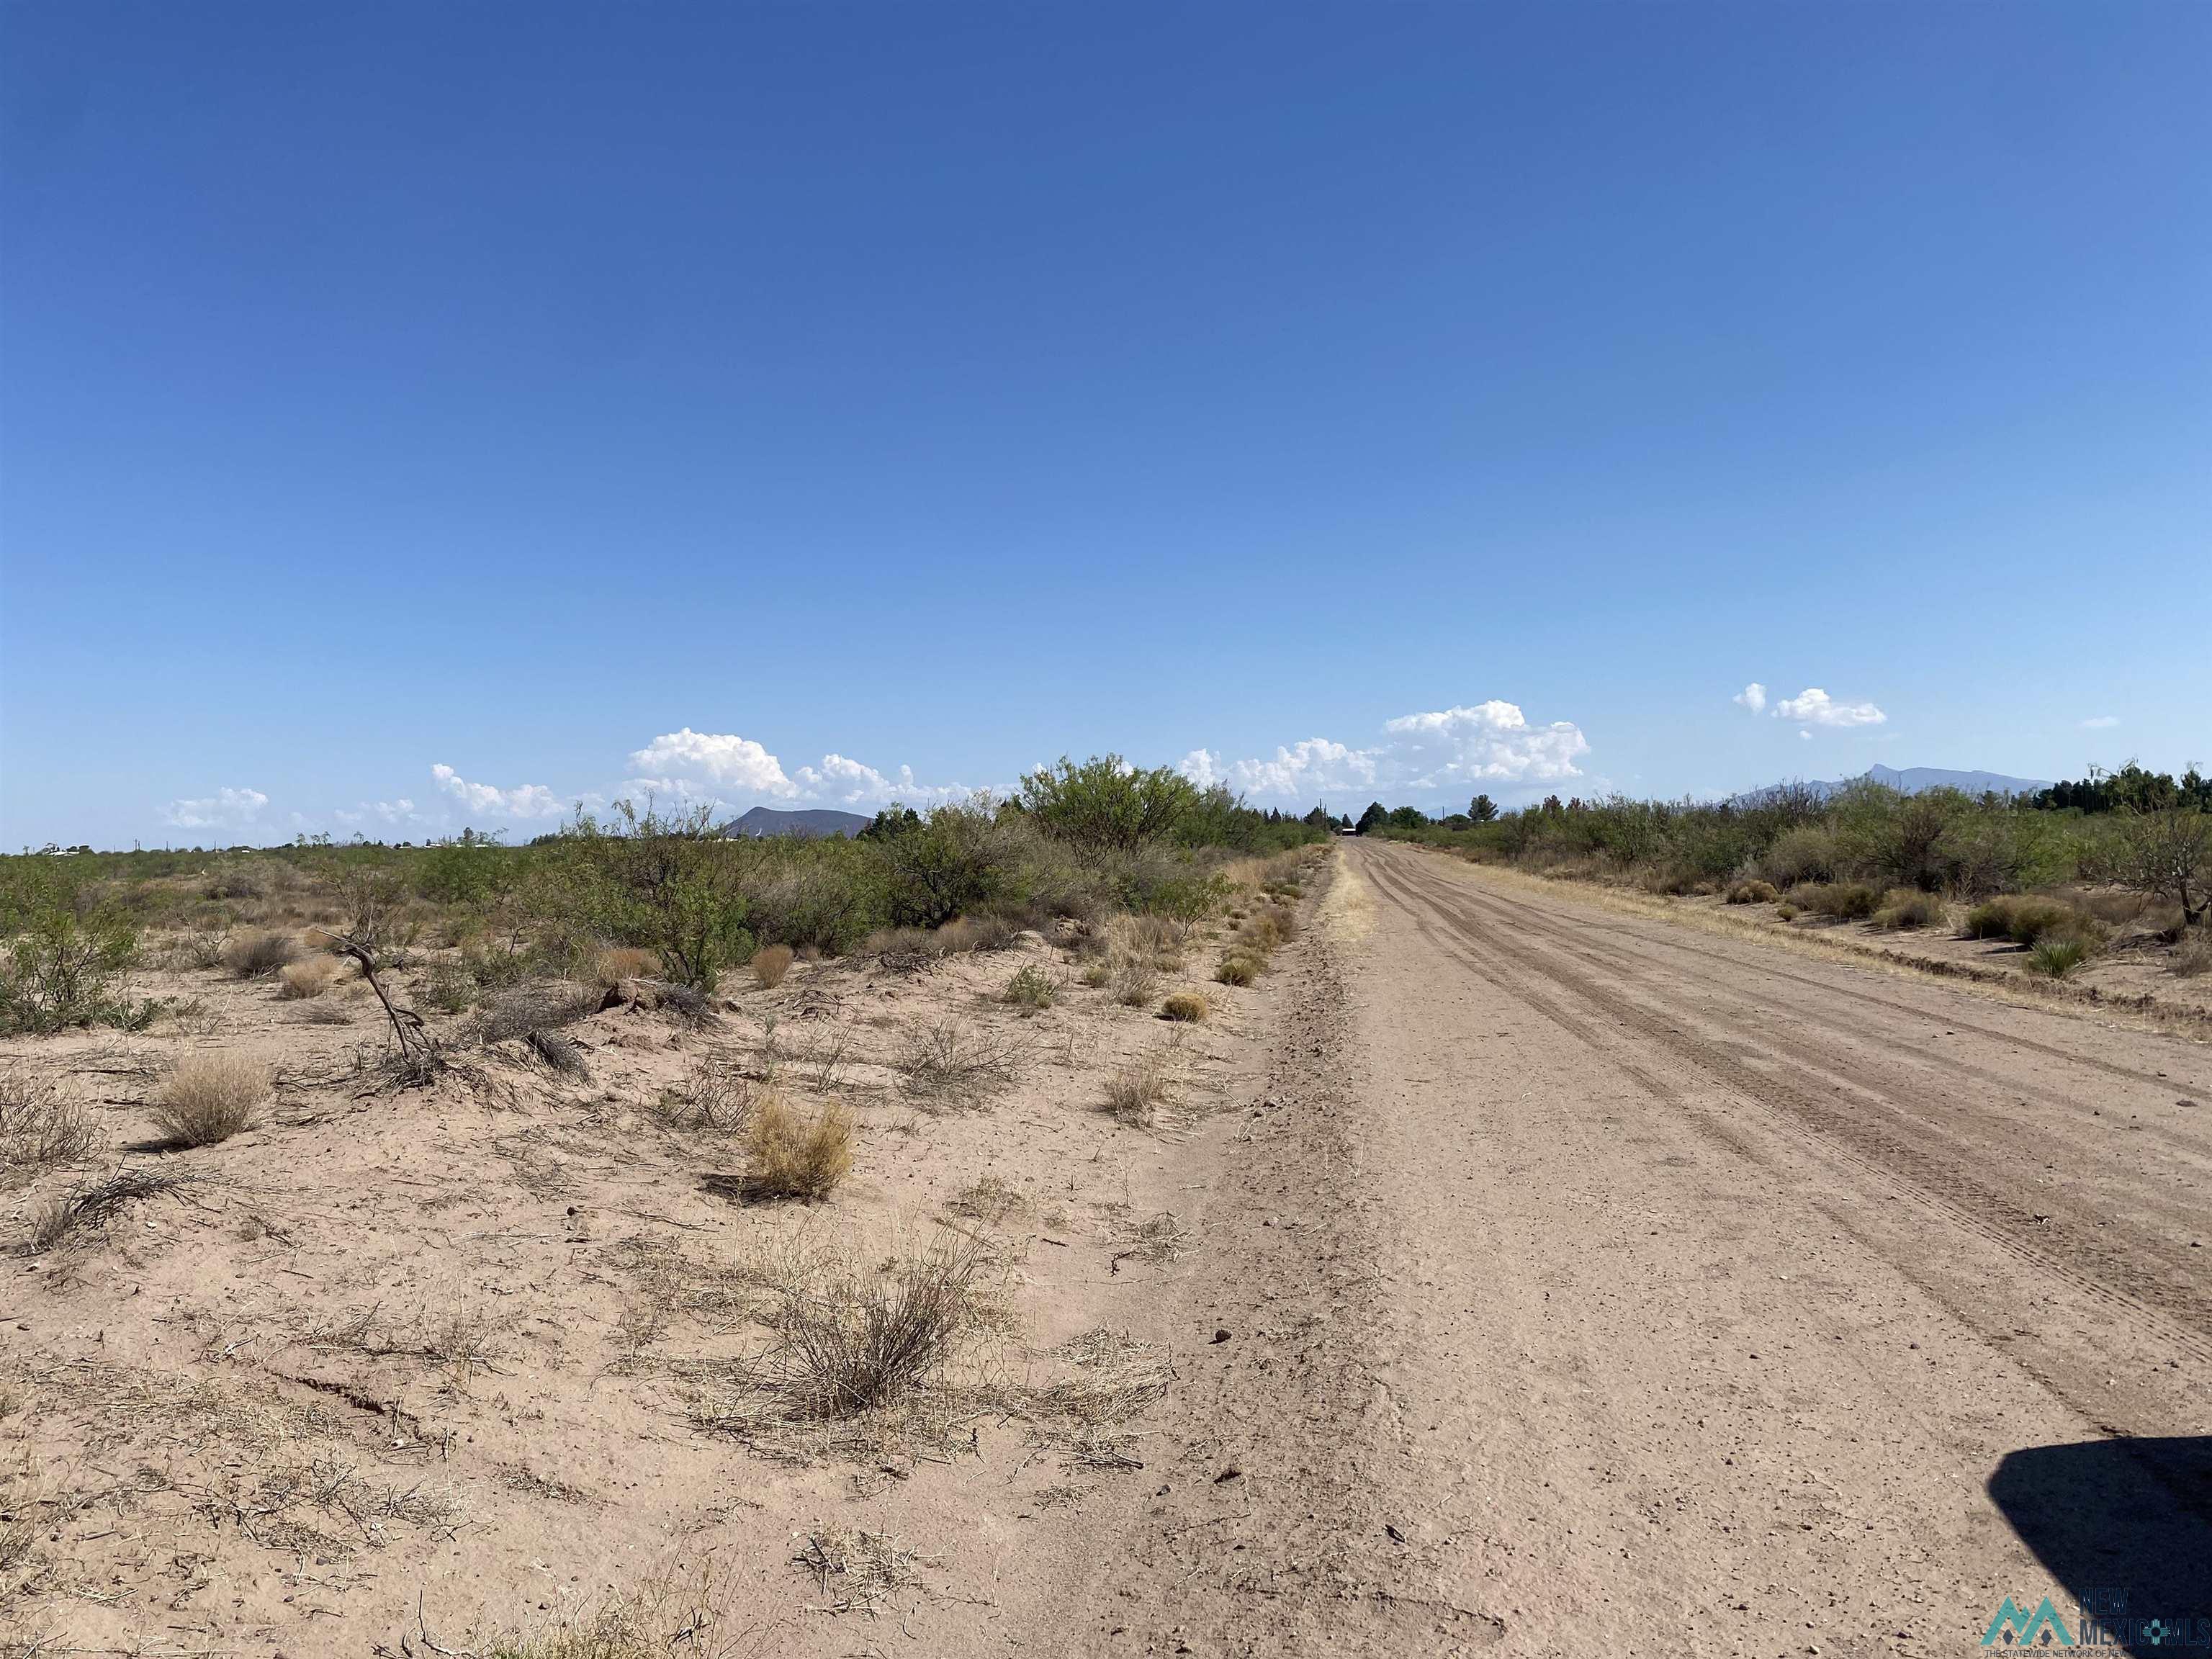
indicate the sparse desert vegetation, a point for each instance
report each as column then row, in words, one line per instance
column 210, row 1097
column 798, row 1119
column 792, row 1155
column 2117, row 867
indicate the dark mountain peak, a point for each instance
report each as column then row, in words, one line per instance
column 803, row 821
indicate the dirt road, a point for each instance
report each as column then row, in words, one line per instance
column 1590, row 1284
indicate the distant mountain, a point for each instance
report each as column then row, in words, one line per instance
column 1913, row 779
column 809, row 822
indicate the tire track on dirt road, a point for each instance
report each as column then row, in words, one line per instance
column 2121, row 1280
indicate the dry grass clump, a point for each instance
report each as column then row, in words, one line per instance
column 535, row 1007
column 39, row 1129
column 949, row 1064
column 1133, row 979
column 789, row 1156
column 856, row 1570
column 1238, row 968
column 2193, row 956
column 712, row 1094
column 1903, row 907
column 1087, row 1416
column 1158, row 939
column 850, row 1342
column 210, row 1097
column 1134, row 1094
column 1095, row 974
column 991, row 1201
column 990, row 933
column 1751, row 892
column 1030, row 989
column 1842, row 901
column 675, row 1612
column 93, row 1202
column 299, row 980
column 769, row 964
column 1188, row 1006
column 260, row 950
column 618, row 962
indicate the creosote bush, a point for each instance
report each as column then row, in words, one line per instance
column 790, row 1156
column 1031, row 988
column 210, row 1097
column 62, row 972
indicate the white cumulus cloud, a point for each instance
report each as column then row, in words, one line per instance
column 528, row 800
column 1813, row 707
column 723, row 757
column 1443, row 752
column 698, row 765
column 1753, row 696
column 388, row 811
column 224, row 808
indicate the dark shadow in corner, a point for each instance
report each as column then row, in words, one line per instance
column 2126, row 1515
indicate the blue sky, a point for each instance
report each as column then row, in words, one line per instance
column 1347, row 400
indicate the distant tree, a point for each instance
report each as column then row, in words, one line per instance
column 1104, row 803
column 1373, row 818
column 1482, row 810
column 892, row 821
column 1407, row 817
column 2169, row 854
column 1319, row 819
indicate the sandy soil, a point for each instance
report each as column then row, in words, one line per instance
column 1551, row 1280
column 1596, row 1285
column 409, row 1373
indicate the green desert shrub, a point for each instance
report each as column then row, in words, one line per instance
column 1907, row 906
column 62, row 971
column 1844, row 901
column 2023, row 918
column 1031, row 988
column 1808, row 852
column 1238, row 968
column 2057, row 955
column 670, row 883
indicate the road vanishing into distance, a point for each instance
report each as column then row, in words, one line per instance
column 1589, row 1283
